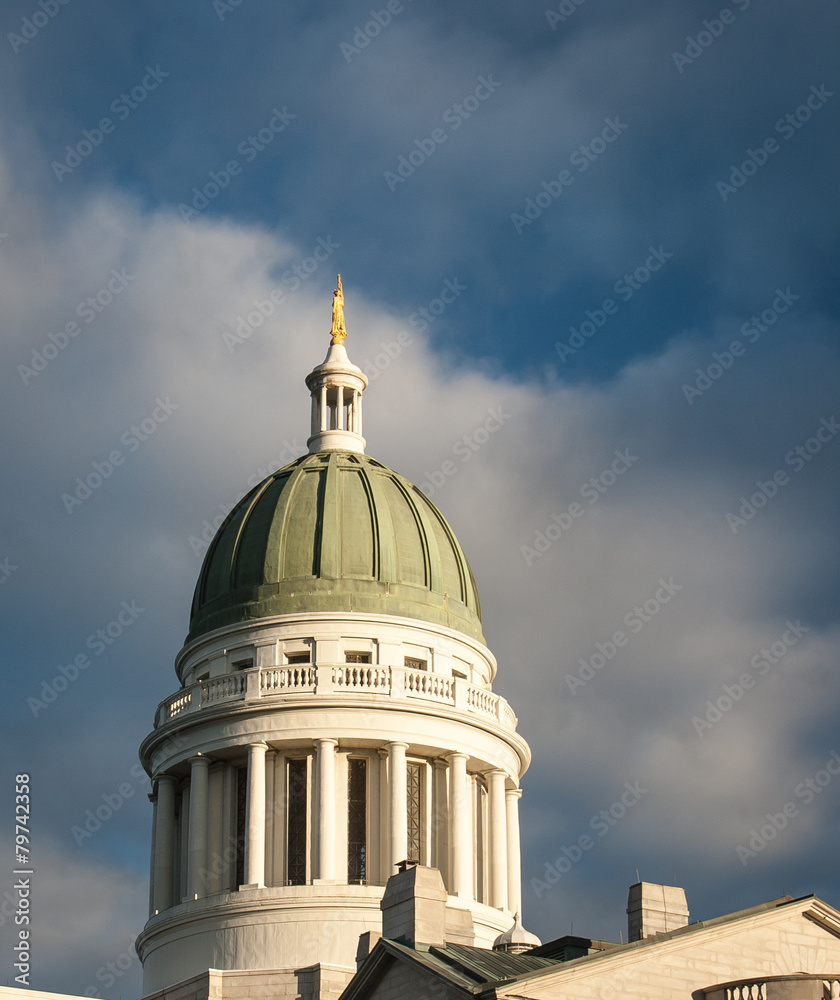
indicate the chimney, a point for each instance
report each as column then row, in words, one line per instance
column 414, row 907
column 655, row 909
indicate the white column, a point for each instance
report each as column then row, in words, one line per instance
column 183, row 845
column 270, row 878
column 514, row 864
column 440, row 822
column 351, row 410
column 197, row 864
column 498, row 839
column 326, row 809
column 164, row 869
column 460, row 841
column 339, row 408
column 324, row 408
column 255, row 816
column 398, row 804
column 313, row 417
column 384, row 858
column 279, row 846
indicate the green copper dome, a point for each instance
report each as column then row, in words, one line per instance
column 335, row 531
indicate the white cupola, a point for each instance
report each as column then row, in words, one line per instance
column 336, row 386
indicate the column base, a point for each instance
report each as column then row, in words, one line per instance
column 252, row 885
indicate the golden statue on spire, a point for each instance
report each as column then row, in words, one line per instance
column 339, row 332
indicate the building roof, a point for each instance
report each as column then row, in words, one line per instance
column 479, row 972
column 469, row 968
column 335, row 531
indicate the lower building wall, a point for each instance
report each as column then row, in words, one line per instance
column 317, row 982
column 320, row 927
column 291, row 928
column 779, row 943
column 404, row 982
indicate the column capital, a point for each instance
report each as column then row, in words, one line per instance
column 325, row 741
column 457, row 755
column 260, row 745
column 396, row 745
column 513, row 793
column 166, row 779
column 199, row 758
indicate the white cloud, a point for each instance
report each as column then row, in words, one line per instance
column 662, row 518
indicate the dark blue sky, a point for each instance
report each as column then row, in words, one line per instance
column 677, row 180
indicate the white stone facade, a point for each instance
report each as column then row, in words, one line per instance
column 294, row 700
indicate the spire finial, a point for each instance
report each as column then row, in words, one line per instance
column 339, row 333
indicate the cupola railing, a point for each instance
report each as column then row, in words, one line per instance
column 335, row 680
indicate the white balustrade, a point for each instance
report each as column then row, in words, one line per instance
column 223, row 688
column 279, row 679
column 329, row 680
column 482, row 700
column 422, row 684
column 362, row 677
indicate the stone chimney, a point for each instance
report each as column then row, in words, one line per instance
column 414, row 907
column 655, row 909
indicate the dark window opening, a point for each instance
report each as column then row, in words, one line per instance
column 357, row 821
column 413, row 790
column 357, row 657
column 296, row 830
column 414, row 664
column 297, row 658
column 241, row 797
